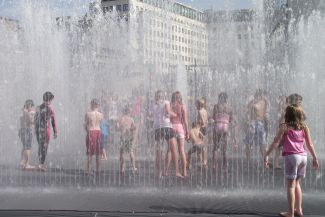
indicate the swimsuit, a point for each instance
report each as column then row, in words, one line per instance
column 256, row 134
column 221, row 123
column 177, row 122
column 26, row 137
column 43, row 118
column 126, row 144
column 93, row 142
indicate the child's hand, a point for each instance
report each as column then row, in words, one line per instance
column 266, row 161
column 315, row 164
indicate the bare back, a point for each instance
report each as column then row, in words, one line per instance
column 196, row 137
column 126, row 125
column 258, row 110
column 203, row 117
column 92, row 120
column 224, row 108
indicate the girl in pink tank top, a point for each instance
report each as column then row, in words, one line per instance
column 180, row 126
column 295, row 134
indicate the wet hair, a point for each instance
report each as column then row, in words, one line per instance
column 200, row 103
column 127, row 110
column 294, row 117
column 28, row 103
column 158, row 94
column 177, row 97
column 259, row 93
column 94, row 103
column 195, row 124
column 222, row 98
column 294, row 99
column 48, row 96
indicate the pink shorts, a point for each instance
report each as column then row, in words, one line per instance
column 179, row 131
column 295, row 166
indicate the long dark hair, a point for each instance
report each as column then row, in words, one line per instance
column 222, row 98
column 177, row 97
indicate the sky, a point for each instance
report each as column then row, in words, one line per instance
column 10, row 8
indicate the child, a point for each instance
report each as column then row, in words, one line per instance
column 44, row 116
column 180, row 127
column 223, row 116
column 196, row 138
column 93, row 119
column 26, row 133
column 104, row 129
column 127, row 128
column 294, row 133
column 203, row 120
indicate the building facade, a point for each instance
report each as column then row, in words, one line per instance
column 234, row 38
column 164, row 33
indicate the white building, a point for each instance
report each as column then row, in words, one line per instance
column 165, row 33
column 235, row 37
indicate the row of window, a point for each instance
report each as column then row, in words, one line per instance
column 156, row 58
column 189, row 50
column 124, row 7
column 176, row 8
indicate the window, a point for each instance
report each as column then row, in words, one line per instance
column 105, row 9
column 125, row 7
column 118, row 7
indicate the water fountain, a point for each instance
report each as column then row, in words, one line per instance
column 80, row 57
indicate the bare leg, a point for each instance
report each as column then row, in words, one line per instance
column 205, row 156
column 291, row 198
column 173, row 149
column 158, row 159
column 97, row 163
column 104, row 155
column 168, row 160
column 248, row 152
column 224, row 151
column 214, row 157
column 214, row 151
column 122, row 170
column 189, row 156
column 89, row 158
column 22, row 159
column 132, row 159
column 298, row 198
column 181, row 148
column 276, row 158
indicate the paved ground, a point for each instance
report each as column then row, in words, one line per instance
column 244, row 189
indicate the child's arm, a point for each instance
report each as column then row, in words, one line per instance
column 276, row 140
column 169, row 111
column 53, row 121
column 311, row 148
column 185, row 118
column 86, row 122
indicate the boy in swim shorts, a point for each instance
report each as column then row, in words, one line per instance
column 93, row 119
column 127, row 128
column 26, row 133
column 198, row 146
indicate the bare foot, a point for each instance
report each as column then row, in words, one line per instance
column 299, row 213
column 286, row 214
column 178, row 175
column 135, row 171
column 42, row 167
column 29, row 167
